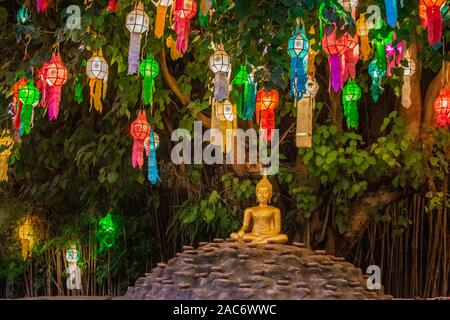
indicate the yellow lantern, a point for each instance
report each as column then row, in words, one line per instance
column 6, row 145
column 27, row 237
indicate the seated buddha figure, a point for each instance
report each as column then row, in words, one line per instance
column 265, row 219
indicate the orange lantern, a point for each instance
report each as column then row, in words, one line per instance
column 442, row 107
column 140, row 131
column 266, row 102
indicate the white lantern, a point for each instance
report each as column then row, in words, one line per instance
column 137, row 20
column 224, row 111
column 97, row 67
column 220, row 62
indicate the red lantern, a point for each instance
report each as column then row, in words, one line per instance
column 434, row 20
column 184, row 11
column 140, row 131
column 16, row 102
column 351, row 56
column 442, row 107
column 266, row 102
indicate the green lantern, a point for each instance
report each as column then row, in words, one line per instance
column 246, row 99
column 350, row 97
column 149, row 69
column 106, row 232
column 29, row 96
column 23, row 16
column 376, row 73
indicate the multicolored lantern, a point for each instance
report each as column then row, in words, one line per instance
column 394, row 56
column 97, row 71
column 220, row 64
column 23, row 16
column 350, row 97
column 298, row 47
column 74, row 272
column 161, row 10
column 42, row 5
column 140, row 131
column 184, row 11
column 112, row 5
column 247, row 100
column 442, row 107
column 53, row 75
column 363, row 31
column 106, row 232
column 29, row 97
column 149, row 69
column 391, row 12
column 137, row 24
column 151, row 145
column 305, row 112
column 17, row 105
column 376, row 73
column 408, row 71
column 434, row 20
column 266, row 103
column 27, row 237
column 174, row 53
column 6, row 146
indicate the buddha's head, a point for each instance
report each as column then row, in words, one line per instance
column 264, row 191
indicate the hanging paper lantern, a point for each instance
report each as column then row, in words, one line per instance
column 408, row 71
column 434, row 20
column 17, row 105
column 73, row 255
column 174, row 53
column 54, row 77
column 305, row 108
column 74, row 272
column 376, row 73
column 220, row 64
column 137, row 24
column 42, row 5
column 298, row 47
column 149, row 69
column 350, row 57
column 140, row 130
column 266, row 102
column 363, row 31
column 184, row 11
column 151, row 145
column 29, row 97
column 27, row 237
column 161, row 9
column 97, row 71
column 23, row 16
column 442, row 107
column 112, row 5
column 391, row 12
column 224, row 111
column 247, row 100
column 106, row 232
column 350, row 97
column 6, row 146
column 312, row 53
column 350, row 6
column 394, row 56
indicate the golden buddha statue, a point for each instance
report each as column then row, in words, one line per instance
column 266, row 219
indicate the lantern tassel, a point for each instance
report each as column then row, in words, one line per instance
column 250, row 90
column 160, row 21
column 25, row 116
column 365, row 48
column 391, row 12
column 406, row 92
column 298, row 78
column 434, row 25
column 376, row 89
column 268, row 123
column 334, row 61
column 112, row 5
column 42, row 5
column 78, row 93
column 133, row 52
column 54, row 102
column 153, row 175
column 351, row 113
column 220, row 86
column 4, row 166
column 96, row 94
column 149, row 88
column 137, row 158
column 182, row 27
column 17, row 119
column 304, row 122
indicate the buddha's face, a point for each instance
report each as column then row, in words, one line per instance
column 263, row 194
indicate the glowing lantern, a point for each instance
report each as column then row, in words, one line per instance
column 17, row 105
column 42, row 5
column 74, row 272
column 151, row 145
column 97, row 71
column 137, row 24
column 434, row 20
column 184, row 11
column 394, row 56
column 6, row 145
column 220, row 64
column 53, row 75
column 442, row 107
column 27, row 237
column 298, row 47
column 106, row 232
column 174, row 53
column 305, row 108
column 23, row 16
column 391, row 12
column 161, row 9
column 246, row 101
column 423, row 14
column 312, row 53
column 350, row 57
column 350, row 97
column 29, row 97
column 224, row 111
column 408, row 71
column 376, row 73
column 363, row 31
column 266, row 102
column 112, row 5
column 140, row 130
column 149, row 69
